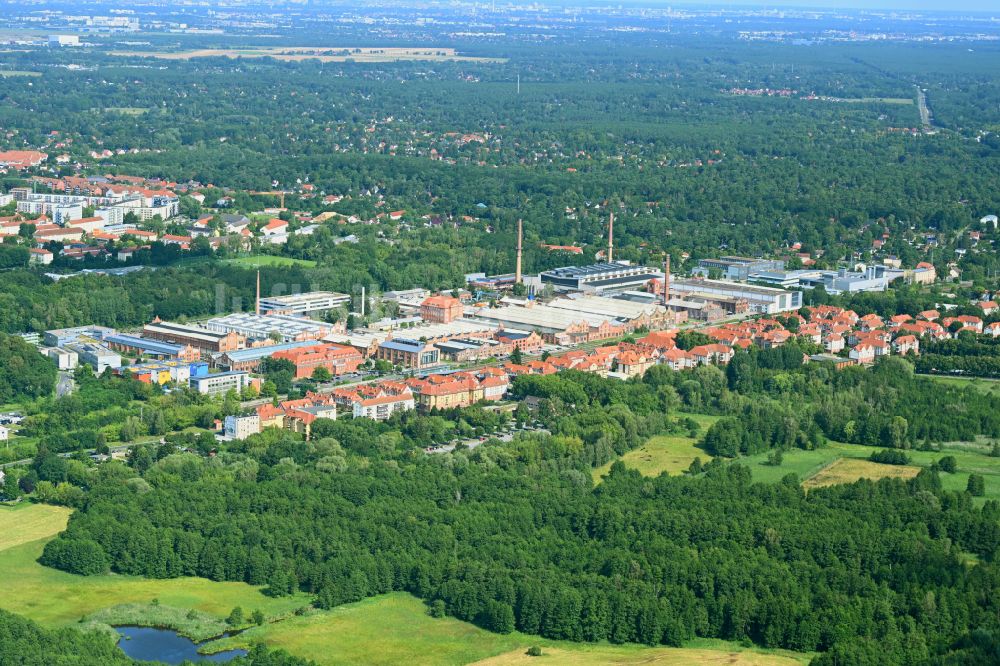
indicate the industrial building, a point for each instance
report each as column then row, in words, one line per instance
column 638, row 315
column 555, row 325
column 132, row 344
column 60, row 337
column 304, row 304
column 249, row 360
column 736, row 268
column 208, row 341
column 873, row 278
column 337, row 359
column 63, row 358
column 411, row 354
column 282, row 328
column 470, row 349
column 367, row 341
column 760, row 300
column 99, row 357
column 605, row 278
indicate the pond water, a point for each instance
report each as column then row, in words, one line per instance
column 165, row 645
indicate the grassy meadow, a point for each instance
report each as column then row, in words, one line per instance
column 24, row 523
column 389, row 629
column 270, row 261
column 395, row 628
column 56, row 598
column 664, row 453
column 849, row 470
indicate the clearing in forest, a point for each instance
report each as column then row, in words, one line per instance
column 849, row 470
column 296, row 53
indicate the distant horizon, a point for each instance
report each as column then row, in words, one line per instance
column 977, row 6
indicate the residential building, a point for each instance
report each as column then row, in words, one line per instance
column 21, row 159
column 376, row 401
column 38, row 255
column 241, row 427
column 460, row 389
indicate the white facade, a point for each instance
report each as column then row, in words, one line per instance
column 64, row 358
column 381, row 410
column 300, row 304
column 241, row 427
column 4, row 434
column 221, row 383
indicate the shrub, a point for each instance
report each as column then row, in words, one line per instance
column 889, row 457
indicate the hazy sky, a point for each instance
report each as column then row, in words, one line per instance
column 990, row 6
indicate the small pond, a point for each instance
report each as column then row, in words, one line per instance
column 165, row 645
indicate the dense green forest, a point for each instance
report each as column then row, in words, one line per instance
column 516, row 536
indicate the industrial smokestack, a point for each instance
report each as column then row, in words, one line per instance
column 257, row 302
column 520, row 234
column 611, row 237
column 666, row 280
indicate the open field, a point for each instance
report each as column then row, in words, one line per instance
column 716, row 652
column 55, row 598
column 389, row 629
column 970, row 459
column 849, row 470
column 991, row 386
column 297, row 53
column 395, row 628
column 124, row 110
column 869, row 100
column 9, row 73
column 25, row 522
column 270, row 261
column 664, row 453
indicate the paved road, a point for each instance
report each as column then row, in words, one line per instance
column 64, row 384
column 926, row 119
